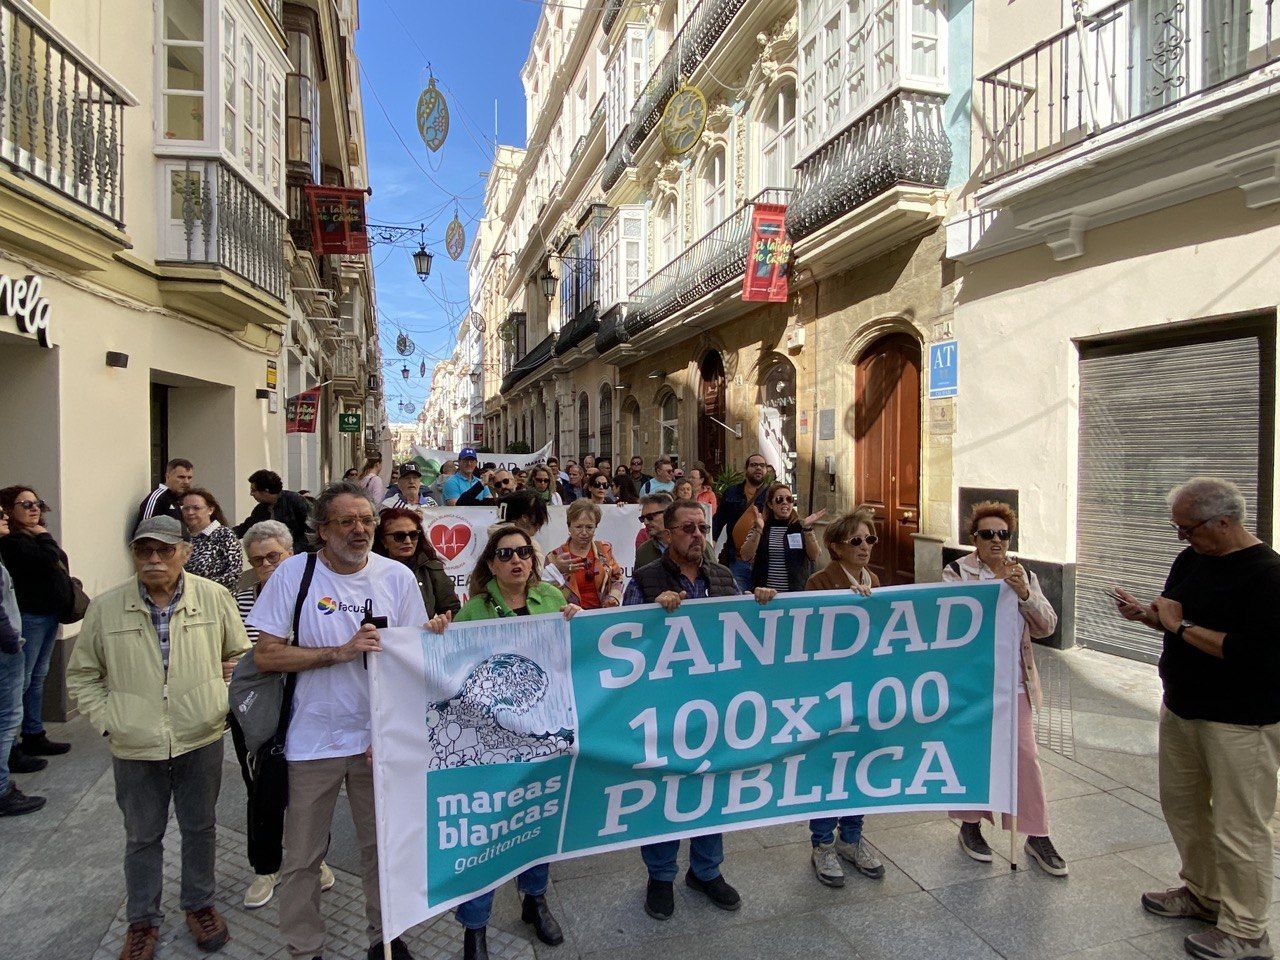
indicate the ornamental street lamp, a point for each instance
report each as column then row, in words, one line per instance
column 548, row 281
column 422, row 262
column 404, row 372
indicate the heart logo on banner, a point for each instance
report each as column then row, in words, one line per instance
column 450, row 541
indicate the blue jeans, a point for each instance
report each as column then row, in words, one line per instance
column 741, row 571
column 706, row 853
column 13, row 674
column 40, row 630
column 475, row 912
column 823, row 829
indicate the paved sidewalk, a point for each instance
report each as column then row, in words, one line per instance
column 61, row 887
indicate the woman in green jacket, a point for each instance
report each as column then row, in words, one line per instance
column 507, row 582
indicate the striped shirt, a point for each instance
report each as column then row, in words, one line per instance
column 160, row 616
column 776, row 559
column 244, row 603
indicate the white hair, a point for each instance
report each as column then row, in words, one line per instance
column 265, row 530
column 1210, row 497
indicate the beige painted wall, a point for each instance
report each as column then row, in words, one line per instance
column 1016, row 416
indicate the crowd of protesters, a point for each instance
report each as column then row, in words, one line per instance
column 154, row 655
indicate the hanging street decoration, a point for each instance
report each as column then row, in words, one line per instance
column 683, row 120
column 404, row 346
column 455, row 237
column 433, row 117
column 422, row 369
column 477, row 322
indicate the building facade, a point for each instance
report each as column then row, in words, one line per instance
column 151, row 277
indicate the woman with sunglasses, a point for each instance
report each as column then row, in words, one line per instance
column 781, row 547
column 992, row 525
column 507, row 582
column 215, row 549
column 598, row 489
column 41, row 581
column 400, row 536
column 849, row 541
column 593, row 578
column 543, row 486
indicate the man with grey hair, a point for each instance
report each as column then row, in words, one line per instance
column 1220, row 719
column 163, row 717
column 327, row 741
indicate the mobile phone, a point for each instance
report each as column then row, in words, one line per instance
column 1110, row 592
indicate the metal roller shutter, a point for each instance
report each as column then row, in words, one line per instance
column 1149, row 420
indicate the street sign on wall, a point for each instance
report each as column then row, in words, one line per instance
column 944, row 369
column 348, row 423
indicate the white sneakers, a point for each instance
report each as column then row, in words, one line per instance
column 263, row 887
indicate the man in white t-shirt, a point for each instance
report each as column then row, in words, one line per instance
column 328, row 740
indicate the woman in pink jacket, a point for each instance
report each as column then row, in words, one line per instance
column 992, row 525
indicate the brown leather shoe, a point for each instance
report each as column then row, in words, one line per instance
column 208, row 929
column 140, row 941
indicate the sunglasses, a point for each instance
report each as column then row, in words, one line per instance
column 274, row 557
column 402, row 536
column 28, row 504
column 505, row 482
column 653, row 516
column 1001, row 535
column 782, row 500
column 601, row 486
column 541, row 479
column 690, row 528
column 504, row 554
column 164, row 552
column 870, row 541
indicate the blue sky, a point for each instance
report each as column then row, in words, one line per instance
column 475, row 50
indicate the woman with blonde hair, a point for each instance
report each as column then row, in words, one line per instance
column 992, row 525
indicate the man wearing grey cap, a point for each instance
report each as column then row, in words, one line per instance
column 150, row 671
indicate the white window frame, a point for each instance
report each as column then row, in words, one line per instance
column 163, row 90
column 668, row 429
column 622, row 255
column 778, row 138
column 714, row 193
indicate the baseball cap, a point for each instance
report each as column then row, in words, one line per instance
column 410, row 466
column 165, row 529
column 467, row 453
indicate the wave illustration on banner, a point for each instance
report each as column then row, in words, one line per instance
column 477, row 724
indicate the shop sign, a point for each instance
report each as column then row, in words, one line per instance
column 337, row 219
column 769, row 255
column 300, row 412
column 348, row 423
column 21, row 300
column 944, row 369
column 273, row 378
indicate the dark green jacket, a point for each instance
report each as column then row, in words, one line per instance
column 542, row 598
column 437, row 588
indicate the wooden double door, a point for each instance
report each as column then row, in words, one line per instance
column 887, row 451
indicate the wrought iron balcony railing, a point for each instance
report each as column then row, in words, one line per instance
column 616, row 162
column 1129, row 60
column 706, row 23
column 346, row 360
column 224, row 221
column 902, row 140
column 61, row 116
column 711, row 261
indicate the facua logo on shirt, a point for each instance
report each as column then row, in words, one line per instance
column 328, row 605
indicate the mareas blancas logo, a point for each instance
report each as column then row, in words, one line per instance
column 328, row 605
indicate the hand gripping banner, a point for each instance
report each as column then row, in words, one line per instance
column 498, row 745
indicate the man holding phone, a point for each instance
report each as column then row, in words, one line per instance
column 352, row 593
column 1219, row 745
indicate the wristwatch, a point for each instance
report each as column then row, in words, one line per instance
column 1182, row 629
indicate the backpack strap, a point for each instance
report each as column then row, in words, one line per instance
column 291, row 678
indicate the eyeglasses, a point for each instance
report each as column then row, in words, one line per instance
column 402, row 536
column 1185, row 531
column 164, row 551
column 272, row 558
column 1002, row 535
column 193, row 507
column 504, row 554
column 870, row 541
column 652, row 516
column 782, row 500
column 690, row 528
column 348, row 523
column 583, row 527
column 756, row 463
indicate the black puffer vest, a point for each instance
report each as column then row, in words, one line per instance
column 663, row 574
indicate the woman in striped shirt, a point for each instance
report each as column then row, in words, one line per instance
column 781, row 547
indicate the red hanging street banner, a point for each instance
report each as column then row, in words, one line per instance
column 337, row 219
column 768, row 256
column 300, row 412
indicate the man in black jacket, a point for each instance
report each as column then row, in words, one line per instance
column 1219, row 746
column 685, row 572
column 733, row 504
column 277, row 503
column 166, row 499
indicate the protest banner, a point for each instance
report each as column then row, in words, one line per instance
column 459, row 533
column 504, row 461
column 506, row 743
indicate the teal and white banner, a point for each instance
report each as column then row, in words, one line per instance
column 501, row 744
